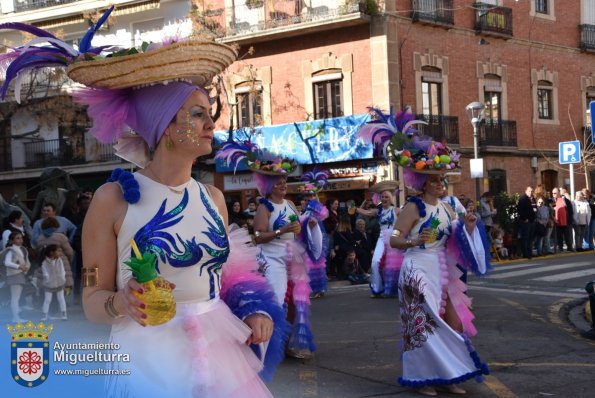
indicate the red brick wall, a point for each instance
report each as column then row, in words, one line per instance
column 285, row 57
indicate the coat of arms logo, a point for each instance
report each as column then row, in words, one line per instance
column 30, row 353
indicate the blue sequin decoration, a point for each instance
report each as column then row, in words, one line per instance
column 281, row 219
column 218, row 236
column 176, row 251
column 388, row 219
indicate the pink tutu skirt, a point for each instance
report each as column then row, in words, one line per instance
column 201, row 352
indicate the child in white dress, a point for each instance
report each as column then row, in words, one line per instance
column 54, row 280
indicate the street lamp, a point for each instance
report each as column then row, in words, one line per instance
column 475, row 114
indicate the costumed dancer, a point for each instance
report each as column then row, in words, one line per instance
column 276, row 226
column 159, row 229
column 436, row 322
column 379, row 133
column 314, row 209
column 386, row 261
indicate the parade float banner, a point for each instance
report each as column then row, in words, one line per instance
column 330, row 140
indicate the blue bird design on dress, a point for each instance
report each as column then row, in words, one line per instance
column 220, row 249
column 179, row 252
column 281, row 219
column 176, row 251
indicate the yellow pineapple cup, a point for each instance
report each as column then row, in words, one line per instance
column 158, row 295
column 434, row 224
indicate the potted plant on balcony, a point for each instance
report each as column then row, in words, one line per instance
column 254, row 3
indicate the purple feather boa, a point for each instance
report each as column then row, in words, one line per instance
column 250, row 297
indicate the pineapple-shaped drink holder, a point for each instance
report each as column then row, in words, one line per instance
column 294, row 218
column 434, row 224
column 158, row 295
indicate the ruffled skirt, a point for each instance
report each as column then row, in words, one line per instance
column 433, row 352
column 201, row 352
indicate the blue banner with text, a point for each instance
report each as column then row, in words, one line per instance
column 311, row 142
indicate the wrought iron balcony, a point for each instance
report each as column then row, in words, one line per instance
column 440, row 127
column 26, row 5
column 497, row 133
column 493, row 19
column 587, row 37
column 257, row 16
column 60, row 152
column 433, row 11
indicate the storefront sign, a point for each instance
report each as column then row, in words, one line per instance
column 345, row 171
column 238, row 182
column 330, row 140
column 334, row 184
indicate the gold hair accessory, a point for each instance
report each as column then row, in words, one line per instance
column 90, row 277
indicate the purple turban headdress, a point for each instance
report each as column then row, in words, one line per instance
column 148, row 110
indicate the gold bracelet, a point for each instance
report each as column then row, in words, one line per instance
column 396, row 233
column 90, row 277
column 109, row 307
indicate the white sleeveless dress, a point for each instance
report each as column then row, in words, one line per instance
column 433, row 352
column 273, row 254
column 201, row 351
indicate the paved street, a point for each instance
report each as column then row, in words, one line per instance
column 524, row 335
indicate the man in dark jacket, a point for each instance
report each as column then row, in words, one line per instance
column 526, row 219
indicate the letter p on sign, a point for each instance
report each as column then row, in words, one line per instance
column 570, row 152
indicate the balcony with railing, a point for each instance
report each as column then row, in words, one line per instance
column 587, row 37
column 60, row 152
column 27, row 5
column 440, row 127
column 285, row 18
column 497, row 133
column 493, row 20
column 438, row 12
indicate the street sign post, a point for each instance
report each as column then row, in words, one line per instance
column 570, row 153
column 592, row 112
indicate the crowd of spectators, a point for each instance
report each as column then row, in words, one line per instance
column 22, row 280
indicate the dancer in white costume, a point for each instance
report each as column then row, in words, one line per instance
column 436, row 347
column 280, row 237
column 222, row 304
column 436, row 322
column 383, row 283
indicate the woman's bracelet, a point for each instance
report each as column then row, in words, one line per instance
column 109, row 307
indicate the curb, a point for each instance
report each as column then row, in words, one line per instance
column 547, row 256
column 573, row 312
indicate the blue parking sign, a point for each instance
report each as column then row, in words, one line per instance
column 570, row 152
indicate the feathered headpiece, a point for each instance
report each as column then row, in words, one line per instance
column 258, row 160
column 55, row 53
column 315, row 180
column 140, row 89
column 418, row 155
column 268, row 168
column 384, row 128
